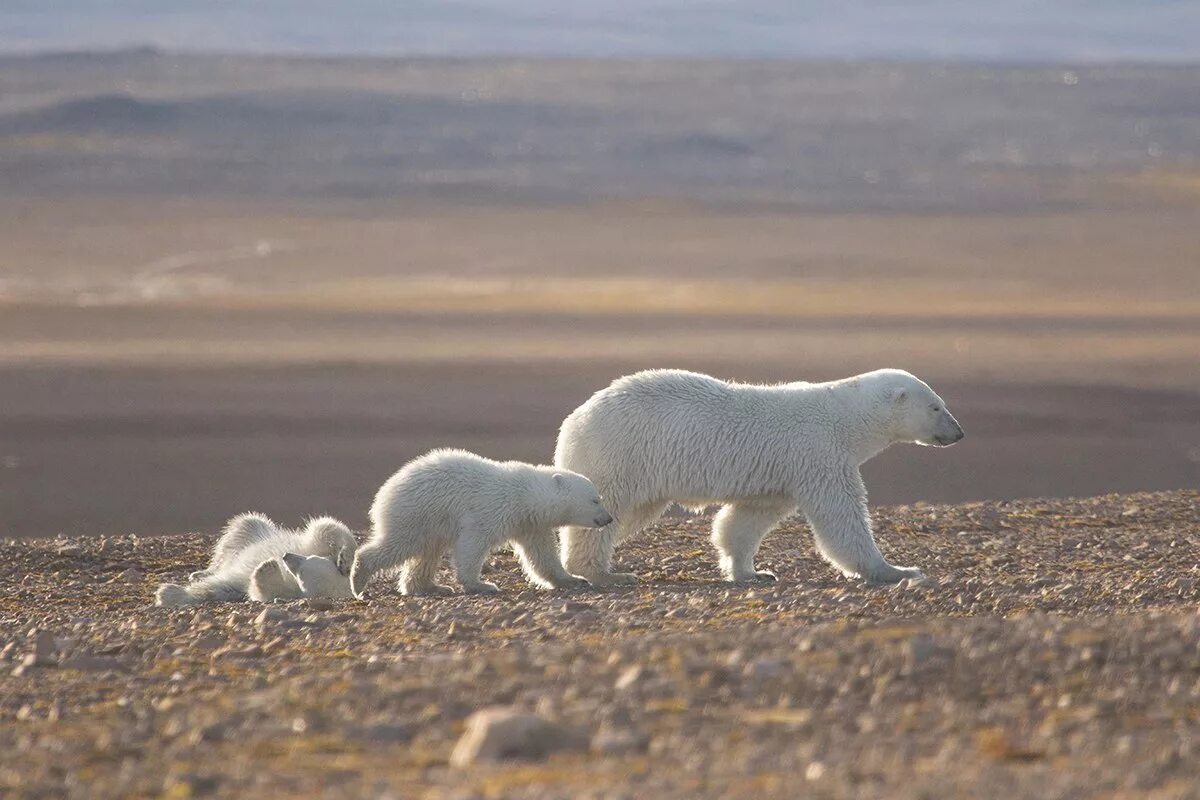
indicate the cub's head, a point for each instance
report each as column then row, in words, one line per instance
column 319, row 576
column 914, row 411
column 329, row 537
column 578, row 501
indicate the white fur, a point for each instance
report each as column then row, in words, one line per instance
column 293, row 575
column 454, row 499
column 246, row 561
column 664, row 436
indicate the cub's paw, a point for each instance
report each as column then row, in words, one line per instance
column 483, row 587
column 432, row 590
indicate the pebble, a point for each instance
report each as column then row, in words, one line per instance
column 130, row 575
column 494, row 734
column 628, row 678
column 269, row 616
column 615, row 741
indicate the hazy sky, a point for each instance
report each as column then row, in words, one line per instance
column 1089, row 30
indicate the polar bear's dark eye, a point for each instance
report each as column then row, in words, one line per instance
column 935, row 407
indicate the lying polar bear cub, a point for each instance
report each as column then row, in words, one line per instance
column 256, row 559
column 455, row 499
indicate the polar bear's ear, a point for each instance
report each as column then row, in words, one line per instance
column 560, row 482
column 899, row 396
column 292, row 562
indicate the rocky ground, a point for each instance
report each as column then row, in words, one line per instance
column 1054, row 652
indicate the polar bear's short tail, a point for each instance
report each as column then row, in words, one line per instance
column 172, row 594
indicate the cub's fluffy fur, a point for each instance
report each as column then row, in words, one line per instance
column 256, row 558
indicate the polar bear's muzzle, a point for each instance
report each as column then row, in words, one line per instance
column 948, row 431
column 602, row 519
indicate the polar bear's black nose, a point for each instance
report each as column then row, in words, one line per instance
column 603, row 519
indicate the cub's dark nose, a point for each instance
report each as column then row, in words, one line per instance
column 603, row 519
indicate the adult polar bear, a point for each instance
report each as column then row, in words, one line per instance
column 663, row 436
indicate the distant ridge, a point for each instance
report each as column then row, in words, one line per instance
column 107, row 113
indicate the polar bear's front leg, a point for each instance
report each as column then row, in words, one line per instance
column 737, row 531
column 588, row 551
column 841, row 525
column 538, row 554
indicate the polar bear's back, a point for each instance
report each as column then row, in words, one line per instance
column 683, row 434
column 444, row 484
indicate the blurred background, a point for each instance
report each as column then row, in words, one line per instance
column 255, row 255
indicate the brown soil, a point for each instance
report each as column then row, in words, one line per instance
column 1053, row 653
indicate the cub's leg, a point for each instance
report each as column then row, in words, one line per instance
column 419, row 574
column 271, row 581
column 538, row 554
column 470, row 551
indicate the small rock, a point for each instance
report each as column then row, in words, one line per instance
column 130, row 575
column 574, row 607
column 815, row 771
column 628, row 678
column 500, row 733
column 320, row 603
column 765, row 668
column 86, row 662
column 269, row 616
column 615, row 741
column 919, row 649
column 44, row 654
column 385, row 733
column 69, row 550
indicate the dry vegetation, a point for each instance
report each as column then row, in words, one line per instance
column 1053, row 653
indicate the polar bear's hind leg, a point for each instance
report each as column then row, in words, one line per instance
column 419, row 574
column 737, row 531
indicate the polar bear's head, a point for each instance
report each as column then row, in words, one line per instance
column 914, row 412
column 326, row 536
column 576, row 501
column 319, row 576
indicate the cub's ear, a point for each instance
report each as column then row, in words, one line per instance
column 292, row 562
column 560, row 482
column 899, row 396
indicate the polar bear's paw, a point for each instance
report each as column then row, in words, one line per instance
column 889, row 574
column 758, row 576
column 570, row 582
column 483, row 587
column 429, row 590
column 613, row 579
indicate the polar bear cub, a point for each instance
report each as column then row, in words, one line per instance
column 453, row 499
column 256, row 558
column 761, row 452
column 292, row 576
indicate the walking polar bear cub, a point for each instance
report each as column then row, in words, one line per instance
column 256, row 559
column 452, row 499
column 663, row 436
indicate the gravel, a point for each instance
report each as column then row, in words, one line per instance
column 1053, row 651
